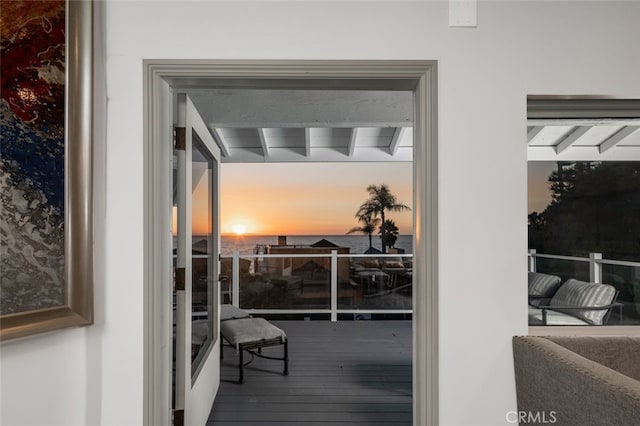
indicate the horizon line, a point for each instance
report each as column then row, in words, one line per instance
column 231, row 234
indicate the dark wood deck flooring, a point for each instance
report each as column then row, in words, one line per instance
column 342, row 373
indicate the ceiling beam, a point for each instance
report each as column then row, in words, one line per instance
column 531, row 134
column 320, row 154
column 583, row 153
column 617, row 137
column 307, row 142
column 263, row 142
column 352, row 141
column 583, row 122
column 395, row 140
column 573, row 136
column 222, row 144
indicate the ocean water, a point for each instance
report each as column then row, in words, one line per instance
column 357, row 243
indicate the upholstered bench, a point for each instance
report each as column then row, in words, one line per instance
column 246, row 333
column 576, row 303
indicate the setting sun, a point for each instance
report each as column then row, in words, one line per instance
column 239, row 229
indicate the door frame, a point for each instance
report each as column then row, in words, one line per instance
column 161, row 77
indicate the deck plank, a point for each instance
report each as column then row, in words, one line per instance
column 347, row 372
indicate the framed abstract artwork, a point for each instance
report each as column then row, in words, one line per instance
column 46, row 212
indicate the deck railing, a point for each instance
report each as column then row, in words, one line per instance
column 623, row 275
column 318, row 283
column 595, row 261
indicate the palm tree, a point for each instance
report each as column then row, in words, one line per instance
column 380, row 201
column 369, row 225
column 391, row 232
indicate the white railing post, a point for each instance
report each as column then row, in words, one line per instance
column 235, row 280
column 532, row 260
column 334, row 285
column 595, row 268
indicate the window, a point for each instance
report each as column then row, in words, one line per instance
column 583, row 212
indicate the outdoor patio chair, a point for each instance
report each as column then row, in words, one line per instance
column 246, row 333
column 577, row 303
column 542, row 287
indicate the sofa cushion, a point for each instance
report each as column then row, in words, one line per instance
column 620, row 353
column 552, row 378
column 580, row 293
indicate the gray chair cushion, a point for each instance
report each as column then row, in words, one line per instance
column 581, row 293
column 543, row 284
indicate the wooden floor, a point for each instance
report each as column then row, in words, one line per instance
column 340, row 373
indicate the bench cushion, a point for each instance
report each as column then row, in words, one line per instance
column 580, row 293
column 229, row 312
column 250, row 330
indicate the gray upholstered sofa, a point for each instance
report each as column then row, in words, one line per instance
column 572, row 303
column 578, row 381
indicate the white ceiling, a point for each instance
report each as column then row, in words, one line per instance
column 274, row 125
column 588, row 140
column 574, row 129
column 308, row 125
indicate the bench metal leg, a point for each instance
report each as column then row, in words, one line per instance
column 286, row 357
column 241, row 366
column 255, row 349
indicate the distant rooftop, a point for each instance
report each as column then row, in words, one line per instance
column 324, row 243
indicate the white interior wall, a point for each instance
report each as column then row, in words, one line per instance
column 94, row 375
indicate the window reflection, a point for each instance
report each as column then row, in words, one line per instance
column 202, row 267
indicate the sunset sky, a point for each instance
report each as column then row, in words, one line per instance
column 307, row 198
column 539, row 194
column 322, row 198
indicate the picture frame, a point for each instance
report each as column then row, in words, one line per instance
column 76, row 308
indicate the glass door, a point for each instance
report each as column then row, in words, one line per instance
column 196, row 248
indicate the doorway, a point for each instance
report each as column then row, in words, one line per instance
column 161, row 77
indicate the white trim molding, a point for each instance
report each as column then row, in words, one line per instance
column 164, row 76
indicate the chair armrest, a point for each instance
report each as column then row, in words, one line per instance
column 544, row 309
column 581, row 308
column 537, row 298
